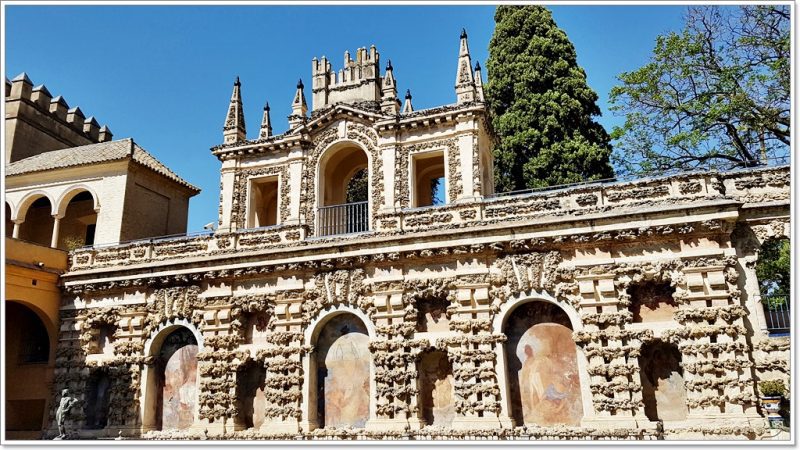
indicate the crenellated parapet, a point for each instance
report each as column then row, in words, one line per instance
column 37, row 122
column 359, row 79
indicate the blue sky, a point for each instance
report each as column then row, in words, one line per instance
column 163, row 74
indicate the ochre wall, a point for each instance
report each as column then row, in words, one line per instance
column 30, row 382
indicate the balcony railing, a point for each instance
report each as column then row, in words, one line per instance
column 777, row 313
column 343, row 219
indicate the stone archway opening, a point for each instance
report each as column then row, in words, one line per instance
column 436, row 393
column 663, row 390
column 541, row 363
column 172, row 381
column 340, row 385
column 77, row 227
column 343, row 191
column 38, row 224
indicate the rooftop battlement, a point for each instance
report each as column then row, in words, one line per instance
column 358, row 80
column 66, row 127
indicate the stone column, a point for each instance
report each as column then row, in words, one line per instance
column 54, row 237
column 15, row 232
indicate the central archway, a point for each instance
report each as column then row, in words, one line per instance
column 341, row 376
column 172, row 380
column 541, row 358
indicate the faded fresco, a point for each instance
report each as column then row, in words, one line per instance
column 663, row 391
column 343, row 373
column 179, row 393
column 436, row 389
column 541, row 352
column 652, row 302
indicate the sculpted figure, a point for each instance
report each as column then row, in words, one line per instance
column 62, row 412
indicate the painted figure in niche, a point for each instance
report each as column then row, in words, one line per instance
column 346, row 368
column 544, row 386
column 549, row 383
column 179, row 391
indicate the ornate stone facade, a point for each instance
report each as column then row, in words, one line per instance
column 569, row 314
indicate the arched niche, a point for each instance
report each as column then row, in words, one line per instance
column 544, row 385
column 436, row 393
column 340, row 373
column 38, row 220
column 171, row 400
column 79, row 220
column 98, row 392
column 663, row 390
column 250, row 398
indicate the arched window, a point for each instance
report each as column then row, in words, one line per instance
column 541, row 358
column 343, row 191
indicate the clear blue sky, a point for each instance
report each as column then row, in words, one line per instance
column 163, row 74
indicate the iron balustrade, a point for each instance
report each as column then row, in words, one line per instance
column 343, row 219
column 777, row 313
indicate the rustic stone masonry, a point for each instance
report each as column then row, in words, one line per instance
column 624, row 310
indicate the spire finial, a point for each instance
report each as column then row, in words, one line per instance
column 389, row 65
column 300, row 83
column 234, row 129
column 477, row 66
column 299, row 108
column 266, row 123
column 465, row 78
column 463, row 33
column 407, row 107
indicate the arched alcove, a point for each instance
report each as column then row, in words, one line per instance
column 77, row 227
column 250, row 399
column 436, row 394
column 98, row 390
column 38, row 224
column 338, row 167
column 171, row 401
column 541, row 358
column 340, row 375
column 663, row 390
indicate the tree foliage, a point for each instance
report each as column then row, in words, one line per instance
column 542, row 109
column 773, row 268
column 715, row 95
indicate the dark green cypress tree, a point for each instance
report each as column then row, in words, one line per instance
column 542, row 109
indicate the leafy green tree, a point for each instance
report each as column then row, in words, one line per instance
column 541, row 107
column 715, row 95
column 773, row 268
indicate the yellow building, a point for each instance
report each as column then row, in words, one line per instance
column 32, row 300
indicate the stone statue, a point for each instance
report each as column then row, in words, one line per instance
column 62, row 412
